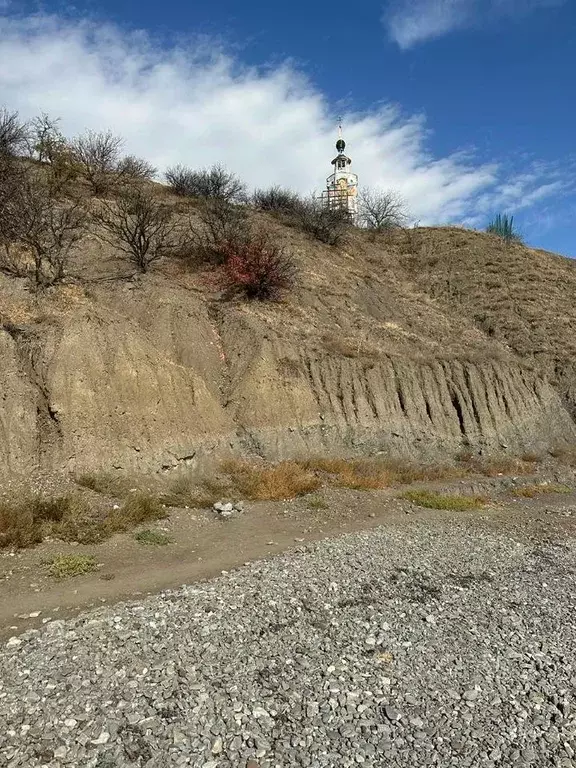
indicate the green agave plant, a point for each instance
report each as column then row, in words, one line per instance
column 503, row 226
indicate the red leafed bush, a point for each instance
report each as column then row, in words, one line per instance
column 257, row 269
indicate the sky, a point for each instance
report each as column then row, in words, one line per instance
column 466, row 108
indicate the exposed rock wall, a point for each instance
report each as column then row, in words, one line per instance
column 94, row 392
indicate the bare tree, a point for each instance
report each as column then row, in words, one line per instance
column 98, row 156
column 131, row 168
column 53, row 149
column 380, row 210
column 36, row 220
column 215, row 182
column 46, row 137
column 138, row 224
column 13, row 133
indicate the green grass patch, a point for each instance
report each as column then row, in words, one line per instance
column 66, row 566
column 152, row 538
column 433, row 500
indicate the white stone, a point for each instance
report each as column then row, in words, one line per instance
column 104, row 738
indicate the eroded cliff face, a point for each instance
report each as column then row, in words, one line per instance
column 155, row 374
column 296, row 401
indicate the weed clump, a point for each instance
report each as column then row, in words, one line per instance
column 152, row 538
column 138, row 508
column 66, row 566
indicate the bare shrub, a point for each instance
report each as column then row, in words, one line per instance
column 131, row 168
column 213, row 226
column 12, row 178
column 179, row 180
column 138, row 224
column 214, row 183
column 49, row 228
column 276, row 200
column 13, row 133
column 25, row 521
column 329, row 225
column 257, row 269
column 380, row 210
column 98, row 155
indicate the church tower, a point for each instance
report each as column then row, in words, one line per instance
column 342, row 185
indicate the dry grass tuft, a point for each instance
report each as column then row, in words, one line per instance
column 375, row 474
column 25, row 522
column 281, row 481
column 432, row 500
column 531, row 491
column 501, row 465
column 107, row 483
column 137, row 509
column 187, row 490
column 357, row 474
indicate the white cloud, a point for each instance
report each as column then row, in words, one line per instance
column 413, row 21
column 196, row 105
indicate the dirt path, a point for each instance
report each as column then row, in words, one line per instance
column 202, row 546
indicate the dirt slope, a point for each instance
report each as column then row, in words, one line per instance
column 371, row 353
column 519, row 296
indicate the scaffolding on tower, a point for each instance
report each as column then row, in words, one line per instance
column 341, row 191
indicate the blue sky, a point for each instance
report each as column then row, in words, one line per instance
column 466, row 107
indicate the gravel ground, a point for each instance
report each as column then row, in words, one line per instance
column 439, row 644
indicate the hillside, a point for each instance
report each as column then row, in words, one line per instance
column 519, row 296
column 416, row 344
